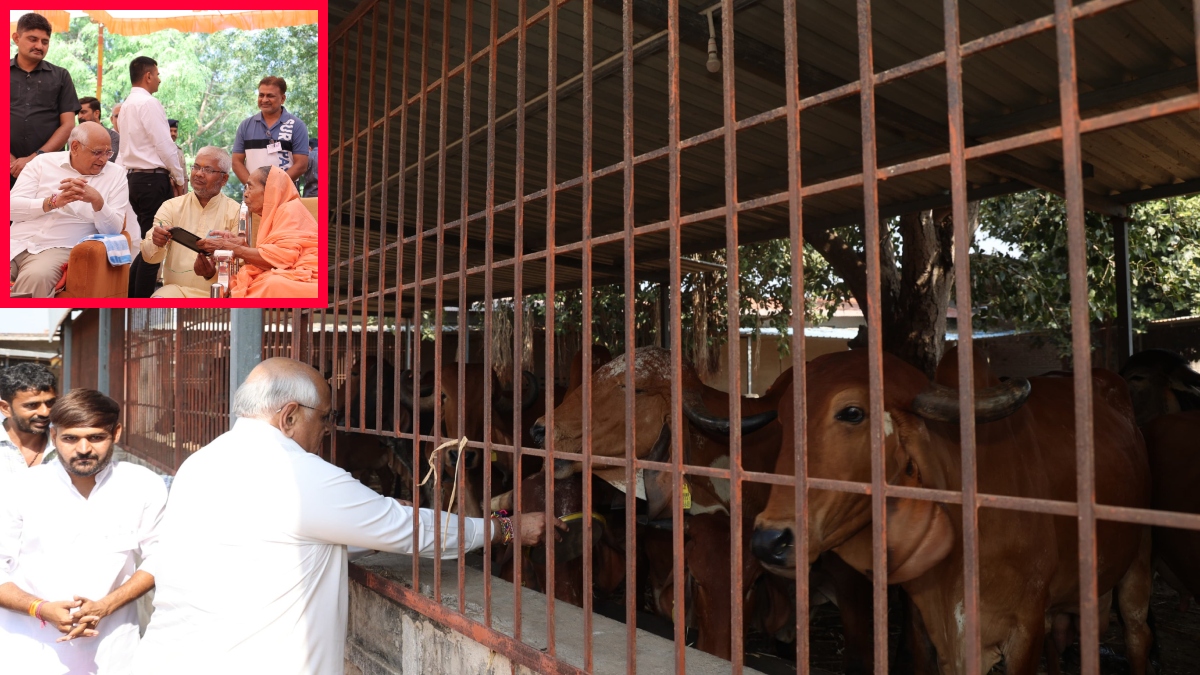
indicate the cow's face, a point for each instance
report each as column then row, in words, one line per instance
column 651, row 408
column 839, row 448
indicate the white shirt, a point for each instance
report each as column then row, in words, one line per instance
column 251, row 572
column 55, row 544
column 12, row 462
column 146, row 139
column 35, row 231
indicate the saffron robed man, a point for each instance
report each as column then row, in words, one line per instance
column 251, row 568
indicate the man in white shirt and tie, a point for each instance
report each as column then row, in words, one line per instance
column 69, row 532
column 60, row 198
column 156, row 171
column 251, row 567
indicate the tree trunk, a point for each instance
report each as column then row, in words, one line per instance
column 915, row 287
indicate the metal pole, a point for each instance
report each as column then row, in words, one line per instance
column 100, row 63
column 245, row 346
column 102, row 351
column 1124, row 325
column 67, row 361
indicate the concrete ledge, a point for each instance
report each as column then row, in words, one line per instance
column 385, row 638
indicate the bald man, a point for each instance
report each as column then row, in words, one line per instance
column 251, row 565
column 60, row 198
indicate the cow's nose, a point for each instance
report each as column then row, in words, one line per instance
column 538, row 432
column 771, row 546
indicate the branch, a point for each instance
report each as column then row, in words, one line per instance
column 844, row 260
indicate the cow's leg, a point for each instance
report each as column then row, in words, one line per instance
column 1133, row 602
column 1023, row 650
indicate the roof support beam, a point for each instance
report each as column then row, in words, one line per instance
column 768, row 62
column 569, row 87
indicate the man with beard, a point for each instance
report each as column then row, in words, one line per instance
column 201, row 212
column 69, row 532
column 27, row 392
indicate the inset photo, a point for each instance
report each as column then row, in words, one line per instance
column 164, row 154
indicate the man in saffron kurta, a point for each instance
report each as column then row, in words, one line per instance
column 201, row 211
column 284, row 261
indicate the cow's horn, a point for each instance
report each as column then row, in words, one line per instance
column 940, row 403
column 427, row 400
column 693, row 407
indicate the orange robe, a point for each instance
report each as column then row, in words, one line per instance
column 287, row 238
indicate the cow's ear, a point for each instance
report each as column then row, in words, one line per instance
column 658, row 483
column 919, row 532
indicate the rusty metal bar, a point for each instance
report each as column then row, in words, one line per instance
column 679, row 594
column 519, row 653
column 490, row 226
column 401, row 218
column 586, row 300
column 733, row 316
column 799, row 410
column 464, row 326
column 627, row 206
column 548, row 335
column 518, row 294
column 439, row 293
column 1080, row 337
column 366, row 237
column 966, row 377
column 418, row 270
column 871, row 238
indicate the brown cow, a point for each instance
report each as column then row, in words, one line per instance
column 1164, row 386
column 705, row 442
column 1026, row 560
column 1175, row 466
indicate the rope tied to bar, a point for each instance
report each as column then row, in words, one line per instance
column 433, row 465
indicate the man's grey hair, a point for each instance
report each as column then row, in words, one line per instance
column 223, row 159
column 79, row 133
column 260, row 396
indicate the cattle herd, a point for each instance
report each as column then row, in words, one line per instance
column 1146, row 424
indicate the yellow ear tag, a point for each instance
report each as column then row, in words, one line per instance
column 494, row 455
column 687, row 497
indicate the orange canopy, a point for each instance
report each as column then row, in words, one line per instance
column 202, row 21
column 60, row 20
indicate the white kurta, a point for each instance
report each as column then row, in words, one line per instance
column 251, row 571
column 55, row 544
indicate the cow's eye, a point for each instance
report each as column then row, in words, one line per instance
column 851, row 414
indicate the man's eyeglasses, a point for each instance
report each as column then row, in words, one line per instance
column 106, row 154
column 327, row 418
column 209, row 172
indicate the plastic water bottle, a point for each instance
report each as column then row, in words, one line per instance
column 243, row 220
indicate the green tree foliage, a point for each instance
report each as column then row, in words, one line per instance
column 209, row 81
column 1030, row 289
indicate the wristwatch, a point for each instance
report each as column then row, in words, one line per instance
column 40, row 152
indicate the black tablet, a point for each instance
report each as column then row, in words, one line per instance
column 186, row 238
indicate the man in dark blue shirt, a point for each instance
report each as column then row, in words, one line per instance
column 42, row 101
column 273, row 137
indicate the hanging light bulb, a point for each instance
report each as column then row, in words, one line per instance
column 714, row 59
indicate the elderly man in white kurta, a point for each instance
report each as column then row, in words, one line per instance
column 69, row 534
column 251, row 569
column 60, row 198
column 203, row 210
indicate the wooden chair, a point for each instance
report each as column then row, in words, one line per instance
column 310, row 203
column 90, row 276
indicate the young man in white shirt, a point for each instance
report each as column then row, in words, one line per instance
column 152, row 160
column 27, row 393
column 69, row 533
column 251, row 569
column 60, row 198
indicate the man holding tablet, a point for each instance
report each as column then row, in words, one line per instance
column 199, row 212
